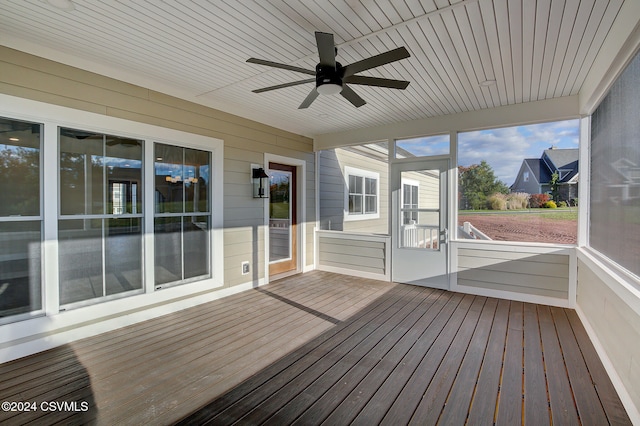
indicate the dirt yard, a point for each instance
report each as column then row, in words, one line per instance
column 524, row 227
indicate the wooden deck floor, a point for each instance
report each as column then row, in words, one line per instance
column 332, row 349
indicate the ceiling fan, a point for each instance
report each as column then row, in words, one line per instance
column 331, row 77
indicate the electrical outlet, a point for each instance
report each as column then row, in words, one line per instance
column 245, row 268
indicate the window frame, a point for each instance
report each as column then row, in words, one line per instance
column 31, row 218
column 184, row 215
column 54, row 116
column 103, row 217
column 364, row 175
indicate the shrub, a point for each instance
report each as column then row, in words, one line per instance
column 537, row 200
column 497, row 201
column 517, row 200
column 562, row 204
column 549, row 205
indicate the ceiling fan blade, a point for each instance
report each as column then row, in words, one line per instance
column 352, row 96
column 278, row 65
column 376, row 61
column 378, row 82
column 282, row 86
column 310, row 98
column 326, row 49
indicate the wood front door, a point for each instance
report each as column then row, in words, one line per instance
column 283, row 219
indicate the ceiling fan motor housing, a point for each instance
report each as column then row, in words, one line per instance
column 328, row 75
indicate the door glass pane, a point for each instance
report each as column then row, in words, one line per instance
column 279, row 215
column 124, row 175
column 123, row 255
column 196, row 181
column 420, row 210
column 20, row 267
column 196, row 246
column 80, row 254
column 168, row 249
column 169, row 178
column 81, row 172
column 19, row 168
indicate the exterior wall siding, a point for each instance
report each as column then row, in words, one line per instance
column 612, row 314
column 242, row 237
column 332, row 192
column 527, row 273
column 355, row 254
column 245, row 141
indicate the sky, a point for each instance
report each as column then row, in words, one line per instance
column 505, row 148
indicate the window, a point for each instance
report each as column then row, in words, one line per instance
column 100, row 215
column 182, row 217
column 409, row 201
column 20, row 218
column 362, row 194
column 614, row 228
column 490, row 165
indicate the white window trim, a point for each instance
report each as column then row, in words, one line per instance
column 106, row 315
column 352, row 171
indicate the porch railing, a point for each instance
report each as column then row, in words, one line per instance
column 420, row 236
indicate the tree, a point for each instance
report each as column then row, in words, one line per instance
column 553, row 183
column 477, row 182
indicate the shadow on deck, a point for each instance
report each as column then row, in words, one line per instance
column 322, row 347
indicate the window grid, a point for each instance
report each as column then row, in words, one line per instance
column 362, row 194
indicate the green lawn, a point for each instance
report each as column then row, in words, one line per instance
column 279, row 210
column 564, row 213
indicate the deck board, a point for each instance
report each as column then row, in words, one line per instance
column 460, row 396
column 510, row 396
column 560, row 396
column 536, row 401
column 323, row 348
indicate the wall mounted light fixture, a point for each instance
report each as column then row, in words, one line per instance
column 260, row 182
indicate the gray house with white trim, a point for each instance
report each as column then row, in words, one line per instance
column 535, row 174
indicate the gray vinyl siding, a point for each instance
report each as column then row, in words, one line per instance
column 351, row 254
column 245, row 142
column 528, row 273
column 332, row 192
column 530, row 187
column 614, row 317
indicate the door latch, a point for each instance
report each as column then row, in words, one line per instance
column 444, row 236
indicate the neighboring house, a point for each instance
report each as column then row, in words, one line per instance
column 620, row 185
column 535, row 174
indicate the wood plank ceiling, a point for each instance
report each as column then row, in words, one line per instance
column 197, row 50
